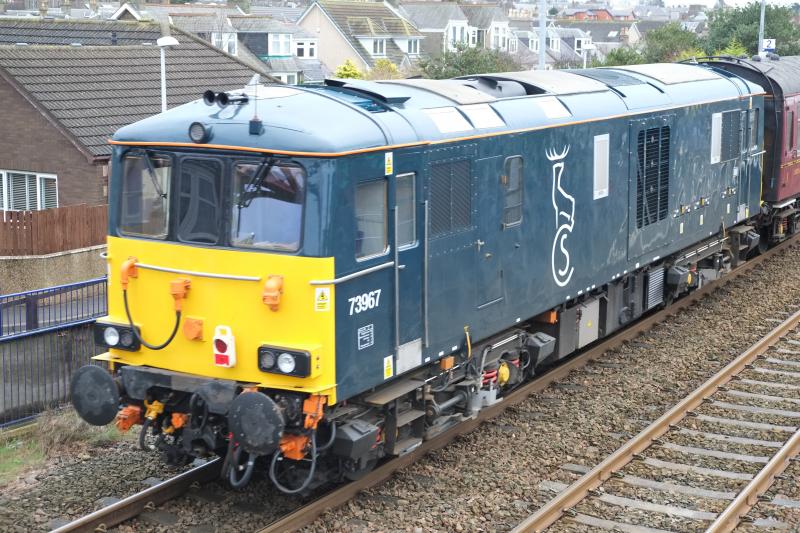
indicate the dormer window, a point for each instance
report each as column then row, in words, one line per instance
column 413, row 47
column 280, row 44
column 379, row 47
column 554, row 43
column 225, row 42
column 306, row 49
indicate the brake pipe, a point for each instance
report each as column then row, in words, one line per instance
column 178, row 290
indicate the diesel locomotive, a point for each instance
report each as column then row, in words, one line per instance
column 313, row 278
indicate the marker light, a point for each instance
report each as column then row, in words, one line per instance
column 199, row 133
column 286, row 363
column 266, row 359
column 224, row 347
column 111, row 336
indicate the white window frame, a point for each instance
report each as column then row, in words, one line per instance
column 291, row 78
column 225, row 41
column 412, row 45
column 5, row 197
column 309, row 48
column 579, row 44
column 280, row 44
column 379, row 47
column 554, row 43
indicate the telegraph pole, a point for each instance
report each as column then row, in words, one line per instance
column 761, row 29
column 543, row 31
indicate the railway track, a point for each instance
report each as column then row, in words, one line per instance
column 767, row 375
column 148, row 499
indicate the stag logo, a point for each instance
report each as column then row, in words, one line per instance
column 564, row 206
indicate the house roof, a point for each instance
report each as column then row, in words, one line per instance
column 85, row 32
column 284, row 14
column 611, row 31
column 482, row 16
column 432, row 15
column 266, row 24
column 91, row 91
column 201, row 22
column 369, row 19
column 313, row 70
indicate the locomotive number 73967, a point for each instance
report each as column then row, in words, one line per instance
column 365, row 302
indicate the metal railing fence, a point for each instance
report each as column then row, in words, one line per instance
column 45, row 335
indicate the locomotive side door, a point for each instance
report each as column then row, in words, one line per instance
column 488, row 213
column 407, row 243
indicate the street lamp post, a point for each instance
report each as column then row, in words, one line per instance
column 163, row 43
column 761, row 29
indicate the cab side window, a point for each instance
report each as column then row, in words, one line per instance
column 371, row 215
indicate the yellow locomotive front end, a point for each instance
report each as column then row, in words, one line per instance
column 220, row 331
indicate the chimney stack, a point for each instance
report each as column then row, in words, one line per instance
column 2, row 6
column 43, row 8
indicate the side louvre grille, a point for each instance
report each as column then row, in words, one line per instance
column 450, row 197
column 652, row 176
column 655, row 288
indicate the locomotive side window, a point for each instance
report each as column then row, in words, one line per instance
column 267, row 209
column 146, row 184
column 601, row 163
column 450, row 197
column 200, row 201
column 512, row 201
column 753, row 127
column 406, row 215
column 371, row 219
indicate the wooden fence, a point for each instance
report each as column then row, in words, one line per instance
column 52, row 230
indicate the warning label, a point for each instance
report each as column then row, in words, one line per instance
column 322, row 299
column 388, row 367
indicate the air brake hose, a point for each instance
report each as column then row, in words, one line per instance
column 307, row 482
column 136, row 332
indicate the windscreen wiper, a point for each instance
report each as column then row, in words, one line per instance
column 152, row 172
column 251, row 189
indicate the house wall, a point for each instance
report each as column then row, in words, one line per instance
column 335, row 49
column 31, row 143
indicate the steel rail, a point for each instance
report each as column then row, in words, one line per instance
column 307, row 514
column 729, row 519
column 134, row 505
column 579, row 490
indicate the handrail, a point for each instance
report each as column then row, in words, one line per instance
column 354, row 275
column 196, row 273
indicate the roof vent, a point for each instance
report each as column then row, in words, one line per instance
column 20, row 44
column 76, row 44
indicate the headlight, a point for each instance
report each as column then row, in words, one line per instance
column 286, row 363
column 282, row 361
column 199, row 133
column 118, row 336
column 111, row 336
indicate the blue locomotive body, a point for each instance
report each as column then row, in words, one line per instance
column 478, row 227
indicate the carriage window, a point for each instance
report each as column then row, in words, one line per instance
column 512, row 204
column 200, row 201
column 406, row 216
column 268, row 206
column 145, row 195
column 790, row 131
column 371, row 219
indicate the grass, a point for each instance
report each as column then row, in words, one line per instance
column 55, row 433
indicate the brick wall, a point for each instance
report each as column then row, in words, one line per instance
column 30, row 142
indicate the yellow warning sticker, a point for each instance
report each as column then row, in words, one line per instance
column 322, row 299
column 389, row 163
column 388, row 367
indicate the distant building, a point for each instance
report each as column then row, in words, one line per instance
column 362, row 32
column 443, row 25
column 489, row 26
column 63, row 101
